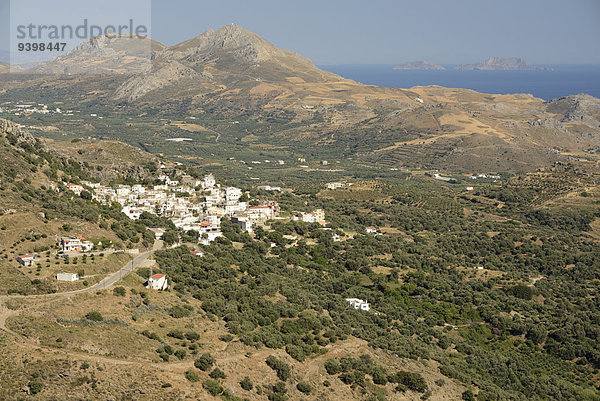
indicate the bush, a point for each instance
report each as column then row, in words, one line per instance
column 213, row 387
column 192, row 376
column 204, row 362
column 176, row 334
column 35, row 386
column 304, row 387
column 180, row 354
column 94, row 316
column 468, row 396
column 217, row 374
column 280, row 367
column 246, row 383
column 332, row 366
column 178, row 312
column 192, row 336
column 411, row 381
column 119, row 291
column 523, row 291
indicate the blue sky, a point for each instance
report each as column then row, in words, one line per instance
column 389, row 31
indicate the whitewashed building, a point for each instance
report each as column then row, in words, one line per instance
column 358, row 304
column 67, row 277
column 75, row 244
column 157, row 282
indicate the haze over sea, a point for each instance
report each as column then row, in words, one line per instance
column 562, row 81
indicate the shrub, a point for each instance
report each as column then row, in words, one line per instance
column 192, row 376
column 94, row 316
column 176, row 334
column 280, row 367
column 192, row 336
column 412, row 381
column 332, row 366
column 35, row 386
column 217, row 374
column 180, row 353
column 119, row 291
column 304, row 387
column 213, row 387
column 204, row 362
column 246, row 383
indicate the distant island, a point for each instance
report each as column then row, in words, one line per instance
column 501, row 64
column 419, row 65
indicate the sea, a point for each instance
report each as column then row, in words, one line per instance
column 561, row 81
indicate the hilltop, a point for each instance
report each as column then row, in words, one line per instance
column 101, row 55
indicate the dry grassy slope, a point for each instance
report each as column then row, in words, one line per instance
column 24, row 226
column 115, row 158
column 125, row 363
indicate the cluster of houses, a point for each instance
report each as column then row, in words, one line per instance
column 337, row 185
column 190, row 203
column 28, row 109
column 485, row 176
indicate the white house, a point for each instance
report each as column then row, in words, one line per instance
column 26, row 260
column 313, row 217
column 358, row 304
column 157, row 282
column 67, row 277
column 78, row 189
column 208, row 181
column 76, row 244
column 233, row 193
column 244, row 224
column 371, row 230
column 197, row 253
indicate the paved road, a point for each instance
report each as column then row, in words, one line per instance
column 106, row 282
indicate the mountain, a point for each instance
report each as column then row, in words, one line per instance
column 501, row 64
column 232, row 76
column 102, row 54
column 419, row 65
column 229, row 55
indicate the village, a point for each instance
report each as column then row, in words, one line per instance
column 191, row 204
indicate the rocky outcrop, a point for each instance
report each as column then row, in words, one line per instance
column 581, row 108
column 548, row 123
column 167, row 74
